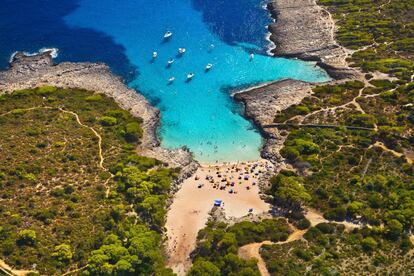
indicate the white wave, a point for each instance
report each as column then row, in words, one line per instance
column 271, row 46
column 12, row 56
column 54, row 52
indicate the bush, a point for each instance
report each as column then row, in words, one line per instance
column 302, row 224
column 326, row 228
column 62, row 253
column 204, row 268
column 337, row 214
column 108, row 121
column 46, row 90
column 303, row 254
column 26, row 237
column 369, row 244
column 133, row 132
column 94, row 98
column 361, row 120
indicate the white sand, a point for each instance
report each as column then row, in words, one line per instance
column 189, row 211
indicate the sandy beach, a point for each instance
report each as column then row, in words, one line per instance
column 235, row 184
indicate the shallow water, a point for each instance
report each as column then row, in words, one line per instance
column 198, row 114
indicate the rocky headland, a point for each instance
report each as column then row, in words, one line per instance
column 39, row 70
column 303, row 30
column 263, row 103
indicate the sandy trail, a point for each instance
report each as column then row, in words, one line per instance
column 8, row 270
column 190, row 209
column 252, row 250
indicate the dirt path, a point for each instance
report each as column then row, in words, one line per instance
column 94, row 132
column 252, row 250
column 8, row 270
column 101, row 157
column 393, row 152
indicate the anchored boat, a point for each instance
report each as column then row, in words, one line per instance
column 171, row 80
column 168, row 34
column 190, row 76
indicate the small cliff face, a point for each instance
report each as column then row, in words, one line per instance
column 39, row 70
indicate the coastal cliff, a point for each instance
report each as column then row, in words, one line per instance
column 39, row 70
column 304, row 30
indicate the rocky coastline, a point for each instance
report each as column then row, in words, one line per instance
column 304, row 30
column 263, row 103
column 40, row 70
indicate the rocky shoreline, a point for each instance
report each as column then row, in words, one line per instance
column 39, row 70
column 263, row 103
column 303, row 30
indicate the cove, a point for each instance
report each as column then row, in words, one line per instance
column 198, row 114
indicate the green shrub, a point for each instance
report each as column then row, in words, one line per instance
column 369, row 244
column 26, row 237
column 133, row 132
column 94, row 98
column 108, row 121
column 46, row 90
column 62, row 253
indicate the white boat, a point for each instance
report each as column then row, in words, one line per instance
column 170, row 80
column 181, row 51
column 209, row 66
column 154, row 55
column 251, row 57
column 170, row 61
column 190, row 76
column 168, row 34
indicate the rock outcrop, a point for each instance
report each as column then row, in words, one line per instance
column 263, row 103
column 305, row 30
column 39, row 70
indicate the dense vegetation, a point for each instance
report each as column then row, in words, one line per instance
column 382, row 31
column 328, row 250
column 351, row 148
column 216, row 253
column 59, row 208
column 362, row 174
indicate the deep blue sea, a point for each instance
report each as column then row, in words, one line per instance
column 199, row 114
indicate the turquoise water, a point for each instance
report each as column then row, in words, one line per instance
column 198, row 114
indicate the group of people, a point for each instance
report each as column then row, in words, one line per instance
column 229, row 178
